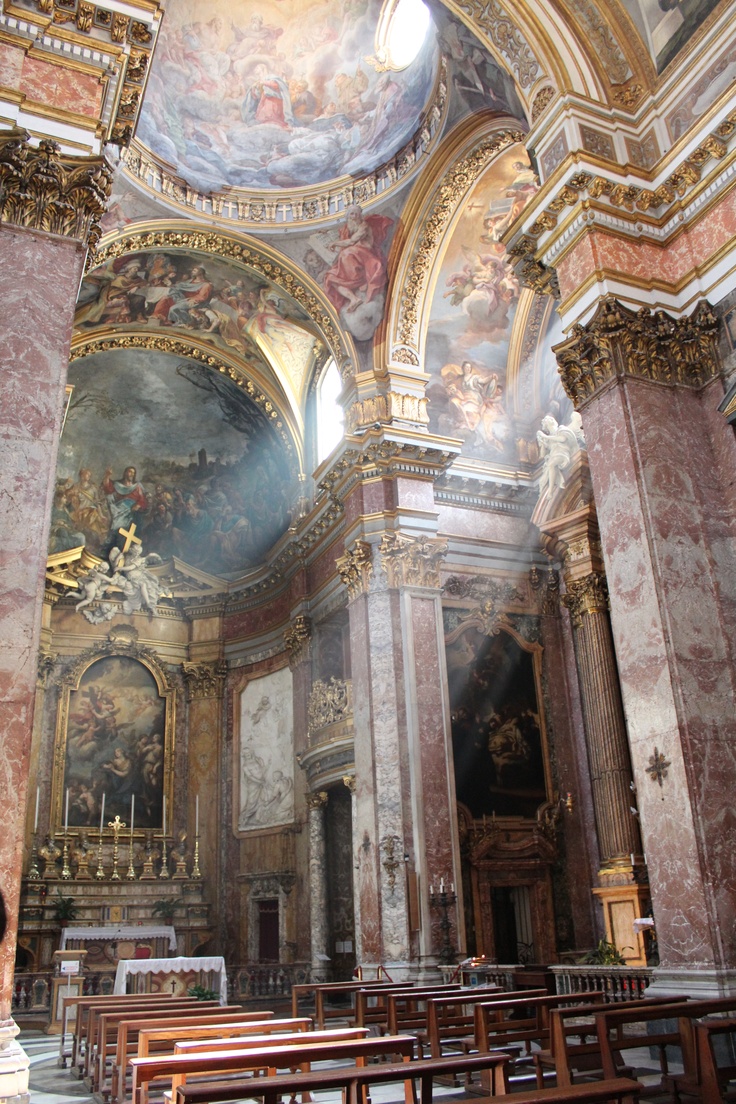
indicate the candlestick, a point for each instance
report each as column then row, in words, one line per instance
column 444, row 902
column 196, row 872
column 35, row 819
column 117, row 824
column 100, row 872
column 164, row 872
column 34, row 874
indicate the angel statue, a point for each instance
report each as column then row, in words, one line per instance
column 558, row 444
column 141, row 588
column 93, row 586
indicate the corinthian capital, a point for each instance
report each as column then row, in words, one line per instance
column 587, row 595
column 41, row 190
column 355, row 568
column 297, row 638
column 204, row 680
column 410, row 561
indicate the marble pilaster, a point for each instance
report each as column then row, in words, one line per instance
column 45, row 223
column 318, row 886
column 666, row 526
column 349, row 781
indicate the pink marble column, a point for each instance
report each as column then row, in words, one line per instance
column 40, row 273
column 661, row 473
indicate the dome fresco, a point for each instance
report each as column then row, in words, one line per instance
column 279, row 95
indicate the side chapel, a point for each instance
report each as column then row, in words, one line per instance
column 369, row 582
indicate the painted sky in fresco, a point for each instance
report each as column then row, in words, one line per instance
column 279, row 94
column 473, row 307
column 179, row 450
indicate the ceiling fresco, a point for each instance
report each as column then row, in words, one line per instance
column 231, row 307
column 667, row 25
column 472, row 311
column 177, row 449
column 279, row 95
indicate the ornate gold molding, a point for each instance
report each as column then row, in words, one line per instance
column 349, row 781
column 505, row 34
column 387, row 408
column 204, row 680
column 329, row 703
column 650, row 345
column 221, row 245
column 410, row 561
column 541, row 101
column 454, row 186
column 355, row 568
column 297, row 638
column 41, row 190
column 316, row 801
column 587, row 595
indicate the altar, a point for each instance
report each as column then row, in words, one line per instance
column 171, row 975
column 107, row 944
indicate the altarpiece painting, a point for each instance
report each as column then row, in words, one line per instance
column 266, row 752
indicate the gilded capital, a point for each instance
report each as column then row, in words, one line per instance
column 410, row 561
column 204, row 680
column 297, row 638
column 316, row 801
column 585, row 596
column 42, row 190
column 651, row 345
column 355, row 568
column 349, row 781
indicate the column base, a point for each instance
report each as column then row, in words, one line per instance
column 700, row 982
column 14, row 1066
column 622, row 905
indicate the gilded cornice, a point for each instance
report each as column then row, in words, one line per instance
column 204, row 680
column 355, row 568
column 586, row 596
column 412, row 561
column 297, row 639
column 375, row 455
column 649, row 345
column 453, row 188
column 84, row 345
column 308, row 206
column 267, row 262
column 42, row 190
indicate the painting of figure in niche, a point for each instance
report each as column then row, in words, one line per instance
column 191, row 461
column 496, row 730
column 115, row 744
column 266, row 797
column 473, row 306
column 284, row 95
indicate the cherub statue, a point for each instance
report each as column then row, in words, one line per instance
column 93, row 586
column 557, row 447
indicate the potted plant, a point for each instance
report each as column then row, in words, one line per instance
column 201, row 993
column 605, row 954
column 165, row 908
column 64, row 909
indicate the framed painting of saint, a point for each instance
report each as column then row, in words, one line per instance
column 114, row 743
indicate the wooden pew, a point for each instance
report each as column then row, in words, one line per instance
column 87, row 1028
column 178, row 1067
column 371, row 1008
column 355, row 1081
column 404, row 1013
column 82, row 1005
column 714, row 1079
column 338, row 1034
column 103, row 1029
column 451, row 1017
column 498, row 1023
column 135, row 1036
column 677, row 1031
column 623, row 1089
column 323, row 990
column 566, row 1056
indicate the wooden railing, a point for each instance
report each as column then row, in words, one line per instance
column 619, row 983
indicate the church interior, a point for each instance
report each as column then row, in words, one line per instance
column 369, row 581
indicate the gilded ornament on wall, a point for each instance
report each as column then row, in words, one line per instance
column 329, row 703
column 412, row 561
column 297, row 639
column 355, row 568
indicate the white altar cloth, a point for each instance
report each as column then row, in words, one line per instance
column 110, row 932
column 213, row 963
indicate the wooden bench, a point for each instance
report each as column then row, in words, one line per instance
column 178, row 1067
column 136, row 1037
column 323, row 990
column 407, row 1010
column 328, row 1034
column 677, row 1031
column 714, row 1078
column 566, row 1056
column 355, row 1082
column 88, row 1031
column 451, row 1017
column 519, row 1022
column 83, row 1005
column 102, row 1030
column 623, row 1089
column 371, row 1008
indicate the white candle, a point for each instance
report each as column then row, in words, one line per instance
column 442, row 885
column 163, row 830
column 66, row 812
column 196, row 815
column 35, row 819
column 132, row 813
column 102, row 813
column 452, row 887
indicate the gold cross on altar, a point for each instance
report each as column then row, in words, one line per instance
column 130, row 537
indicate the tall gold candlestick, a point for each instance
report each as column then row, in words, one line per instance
column 116, row 825
column 34, row 874
column 196, row 872
column 66, row 871
column 164, row 858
